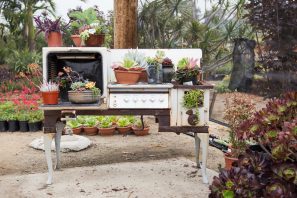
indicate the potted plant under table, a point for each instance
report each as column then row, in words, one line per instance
column 75, row 126
column 106, row 127
column 140, row 128
column 90, row 126
column 123, row 125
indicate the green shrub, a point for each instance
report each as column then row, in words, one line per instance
column 225, row 69
column 73, row 124
column 19, row 60
column 193, row 99
column 36, row 116
column 222, row 87
column 105, row 123
column 123, row 122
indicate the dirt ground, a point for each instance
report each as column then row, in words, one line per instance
column 17, row 158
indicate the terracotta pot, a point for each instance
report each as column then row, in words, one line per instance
column 95, row 40
column 90, row 130
column 50, row 98
column 229, row 161
column 143, row 76
column 140, row 132
column 127, row 77
column 123, row 130
column 106, row 131
column 77, row 130
column 54, row 39
column 76, row 40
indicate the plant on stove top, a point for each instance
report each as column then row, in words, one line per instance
column 187, row 70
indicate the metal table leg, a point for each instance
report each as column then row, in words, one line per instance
column 59, row 129
column 204, row 142
column 197, row 149
column 47, row 139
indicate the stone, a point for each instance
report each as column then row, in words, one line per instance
column 68, row 143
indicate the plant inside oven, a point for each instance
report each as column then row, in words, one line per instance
column 81, row 90
column 79, row 73
column 193, row 100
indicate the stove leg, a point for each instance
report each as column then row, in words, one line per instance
column 204, row 142
column 197, row 149
column 47, row 139
column 59, row 128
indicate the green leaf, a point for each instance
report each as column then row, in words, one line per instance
column 228, row 194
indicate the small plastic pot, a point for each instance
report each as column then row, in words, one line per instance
column 34, row 126
column 3, row 126
column 24, row 127
column 13, row 125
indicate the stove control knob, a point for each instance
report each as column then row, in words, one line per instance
column 114, row 105
column 143, row 99
column 152, row 100
column 135, row 100
column 161, row 99
column 126, row 100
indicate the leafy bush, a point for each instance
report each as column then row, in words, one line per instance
column 90, row 122
column 36, row 116
column 223, row 86
column 273, row 172
column 105, row 123
column 19, row 60
column 23, row 116
column 225, row 69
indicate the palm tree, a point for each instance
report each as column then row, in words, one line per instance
column 125, row 23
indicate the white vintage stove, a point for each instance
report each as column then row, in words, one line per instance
column 164, row 101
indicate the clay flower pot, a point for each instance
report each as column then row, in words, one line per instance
column 50, row 98
column 95, row 40
column 90, row 130
column 140, row 132
column 143, row 76
column 106, row 131
column 54, row 39
column 127, row 77
column 76, row 40
column 123, row 130
column 77, row 130
column 229, row 161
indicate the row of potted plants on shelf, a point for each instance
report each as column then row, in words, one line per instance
column 108, row 125
column 136, row 67
column 90, row 29
column 13, row 120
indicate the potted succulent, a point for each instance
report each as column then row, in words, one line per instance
column 140, row 128
column 81, row 91
column 90, row 126
column 35, row 120
column 23, row 118
column 140, row 60
column 127, row 72
column 106, row 127
column 49, row 90
column 84, row 92
column 123, row 125
column 239, row 107
column 76, row 126
column 154, row 70
column 188, row 71
column 193, row 101
column 49, row 93
column 53, row 29
column 90, row 26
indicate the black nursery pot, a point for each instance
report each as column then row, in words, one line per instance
column 13, row 125
column 3, row 126
column 35, row 126
column 24, row 127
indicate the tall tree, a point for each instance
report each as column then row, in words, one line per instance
column 125, row 23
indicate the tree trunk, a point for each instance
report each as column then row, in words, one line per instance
column 243, row 65
column 31, row 44
column 125, row 23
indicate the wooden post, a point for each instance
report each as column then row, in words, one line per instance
column 125, row 24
